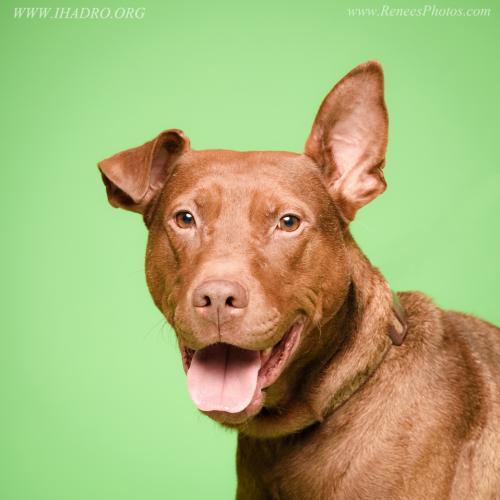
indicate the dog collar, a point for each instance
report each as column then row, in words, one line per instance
column 397, row 332
column 399, row 326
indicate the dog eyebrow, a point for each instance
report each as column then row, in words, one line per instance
column 272, row 208
column 202, row 198
column 271, row 211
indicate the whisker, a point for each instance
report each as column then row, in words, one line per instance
column 148, row 333
column 166, row 335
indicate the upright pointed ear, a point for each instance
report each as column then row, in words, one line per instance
column 134, row 176
column 349, row 138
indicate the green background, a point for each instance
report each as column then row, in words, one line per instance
column 93, row 398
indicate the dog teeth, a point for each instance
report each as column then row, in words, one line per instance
column 265, row 354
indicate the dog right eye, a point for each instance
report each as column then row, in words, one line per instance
column 289, row 223
column 184, row 219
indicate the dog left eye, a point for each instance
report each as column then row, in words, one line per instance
column 289, row 223
column 184, row 219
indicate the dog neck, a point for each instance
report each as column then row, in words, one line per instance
column 364, row 325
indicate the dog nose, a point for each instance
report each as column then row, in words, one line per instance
column 220, row 300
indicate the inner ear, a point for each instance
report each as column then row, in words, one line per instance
column 116, row 196
column 348, row 139
column 133, row 177
column 166, row 148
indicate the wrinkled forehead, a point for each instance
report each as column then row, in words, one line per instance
column 268, row 179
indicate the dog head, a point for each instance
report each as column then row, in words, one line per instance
column 246, row 251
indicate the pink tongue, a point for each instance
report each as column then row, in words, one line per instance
column 223, row 377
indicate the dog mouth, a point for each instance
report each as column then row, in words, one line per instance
column 225, row 378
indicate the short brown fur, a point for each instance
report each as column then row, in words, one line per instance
column 350, row 416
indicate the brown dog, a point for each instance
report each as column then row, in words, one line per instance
column 287, row 331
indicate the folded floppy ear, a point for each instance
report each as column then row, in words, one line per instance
column 349, row 138
column 134, row 176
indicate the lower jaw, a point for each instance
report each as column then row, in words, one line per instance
column 267, row 376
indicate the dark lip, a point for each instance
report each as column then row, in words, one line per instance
column 281, row 352
column 275, row 359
